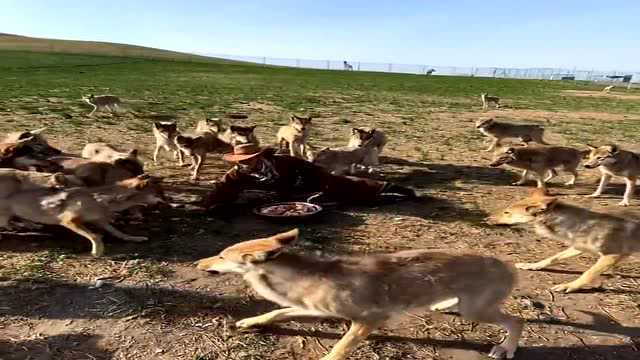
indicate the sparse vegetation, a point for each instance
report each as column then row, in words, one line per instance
column 155, row 305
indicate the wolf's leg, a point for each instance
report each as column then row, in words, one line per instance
column 71, row 222
column 120, row 235
column 523, row 178
column 477, row 310
column 565, row 254
column 196, row 170
column 604, row 263
column 357, row 332
column 604, row 180
column 277, row 316
column 551, row 173
column 180, row 156
column 628, row 192
column 94, row 110
column 494, row 144
column 155, row 153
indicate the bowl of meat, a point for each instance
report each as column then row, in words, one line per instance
column 288, row 211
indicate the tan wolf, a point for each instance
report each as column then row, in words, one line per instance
column 609, row 237
column 368, row 290
column 613, row 161
column 498, row 131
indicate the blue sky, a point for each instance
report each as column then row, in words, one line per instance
column 585, row 34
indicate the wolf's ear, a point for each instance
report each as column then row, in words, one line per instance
column 133, row 153
column 156, row 125
column 355, row 131
column 253, row 127
column 286, row 238
column 613, row 149
column 591, row 147
column 538, row 193
column 545, row 204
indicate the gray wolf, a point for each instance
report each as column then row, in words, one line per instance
column 75, row 208
column 498, row 131
column 104, row 152
column 609, row 237
column 486, row 100
column 100, row 102
column 368, row 290
column 165, row 133
column 541, row 161
column 613, row 161
column 360, row 136
column 292, row 138
column 31, row 150
column 348, row 159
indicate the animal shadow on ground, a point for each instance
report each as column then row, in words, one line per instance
column 184, row 235
column 63, row 346
column 443, row 176
column 430, row 208
column 55, row 299
column 592, row 352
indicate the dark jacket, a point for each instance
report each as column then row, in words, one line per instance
column 297, row 176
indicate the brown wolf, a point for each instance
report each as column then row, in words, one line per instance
column 369, row 290
column 610, row 237
column 372, row 136
column 486, row 100
column 498, row 131
column 542, row 161
column 613, row 161
column 293, row 137
column 74, row 208
column 165, row 133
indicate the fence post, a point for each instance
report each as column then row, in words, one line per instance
column 390, row 66
column 328, row 64
column 297, row 62
column 358, row 66
column 264, row 61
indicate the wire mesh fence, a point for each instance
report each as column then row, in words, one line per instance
column 621, row 77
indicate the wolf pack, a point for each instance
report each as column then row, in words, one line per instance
column 40, row 184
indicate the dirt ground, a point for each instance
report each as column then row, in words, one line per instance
column 151, row 303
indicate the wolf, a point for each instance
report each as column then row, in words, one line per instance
column 292, row 138
column 486, row 100
column 165, row 133
column 609, row 237
column 498, row 131
column 107, row 102
column 74, row 208
column 198, row 145
column 613, row 161
column 103, row 152
column 368, row 290
column 348, row 159
column 30, row 150
column 360, row 136
column 542, row 161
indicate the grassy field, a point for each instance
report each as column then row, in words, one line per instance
column 155, row 305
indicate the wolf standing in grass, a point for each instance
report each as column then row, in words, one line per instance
column 107, row 102
column 369, row 290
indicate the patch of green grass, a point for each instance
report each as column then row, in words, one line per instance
column 28, row 79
